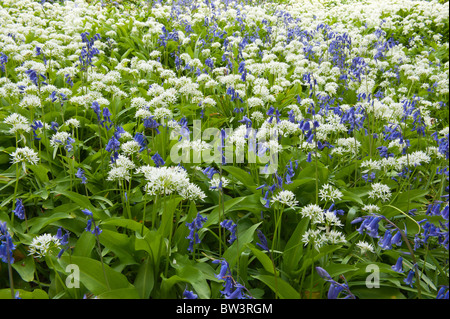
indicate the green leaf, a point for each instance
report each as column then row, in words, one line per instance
column 25, row 268
column 125, row 223
column 243, row 176
column 83, row 202
column 85, row 244
column 40, row 172
column 167, row 284
column 377, row 293
column 119, row 244
column 35, row 294
column 123, row 293
column 195, row 277
column 92, row 276
column 339, row 269
column 280, row 286
column 293, row 250
column 145, row 279
column 244, row 237
column 350, row 197
column 265, row 261
column 152, row 243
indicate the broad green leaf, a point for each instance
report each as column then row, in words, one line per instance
column 244, row 237
column 265, row 260
column 24, row 294
column 243, row 176
column 195, row 277
column 125, row 223
column 93, row 277
column 40, row 172
column 279, row 286
column 119, row 244
column 123, row 293
column 145, row 279
column 377, row 293
column 25, row 268
column 293, row 250
column 85, row 244
column 153, row 244
column 83, row 201
column 167, row 291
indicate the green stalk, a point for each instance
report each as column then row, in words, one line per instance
column 155, row 204
column 143, row 215
column 57, row 274
column 11, row 282
column 15, row 192
column 101, row 257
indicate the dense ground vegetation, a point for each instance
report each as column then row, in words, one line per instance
column 224, row 149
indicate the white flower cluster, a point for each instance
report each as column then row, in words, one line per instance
column 24, row 155
column 167, row 180
column 43, row 245
column 286, row 198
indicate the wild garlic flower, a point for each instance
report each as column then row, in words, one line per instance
column 330, row 193
column 24, row 155
column 60, row 138
column 19, row 123
column 370, row 208
column 333, row 237
column 120, row 169
column 43, row 245
column 380, row 191
column 313, row 237
column 217, row 183
column 365, row 247
column 192, row 192
column 313, row 212
column 74, row 123
column 286, row 198
column 167, row 180
column 130, row 147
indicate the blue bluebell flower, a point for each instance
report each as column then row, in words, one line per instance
column 6, row 245
column 409, row 280
column 68, row 80
column 96, row 107
column 385, row 241
column 158, row 160
column 90, row 222
column 187, row 294
column 442, row 293
column 336, row 288
column 194, row 227
column 231, row 288
column 87, row 212
column 34, row 77
column 262, row 240
column 88, row 51
column 112, row 145
column 210, row 171
column 81, row 174
column 19, row 211
column 64, row 240
column 398, row 267
column 35, row 126
column 150, row 123
column 369, row 224
column 3, row 61
column 69, row 142
column 229, row 225
column 54, row 126
column 141, row 140
column 106, row 119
